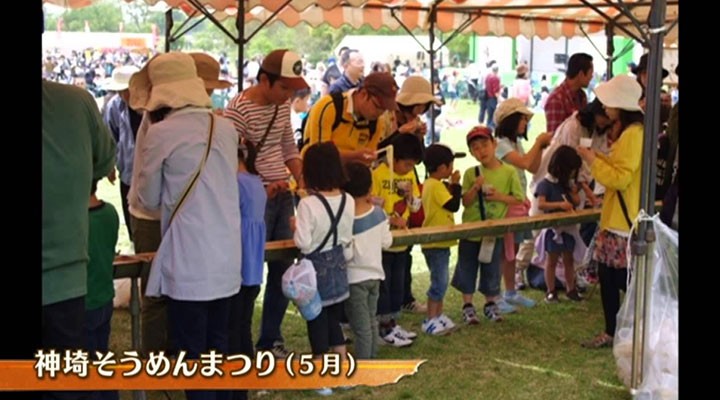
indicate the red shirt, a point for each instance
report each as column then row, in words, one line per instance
column 561, row 103
column 492, row 85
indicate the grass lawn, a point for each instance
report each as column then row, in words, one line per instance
column 533, row 354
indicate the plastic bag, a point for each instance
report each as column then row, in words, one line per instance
column 660, row 358
column 299, row 284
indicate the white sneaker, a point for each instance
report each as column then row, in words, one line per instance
column 446, row 322
column 406, row 334
column 395, row 339
column 434, row 327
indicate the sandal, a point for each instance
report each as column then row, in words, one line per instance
column 599, row 341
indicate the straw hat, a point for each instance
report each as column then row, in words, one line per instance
column 120, row 78
column 416, row 90
column 622, row 91
column 510, row 107
column 208, row 69
column 168, row 80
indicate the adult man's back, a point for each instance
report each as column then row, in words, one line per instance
column 569, row 96
column 77, row 148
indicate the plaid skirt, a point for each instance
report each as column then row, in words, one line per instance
column 610, row 249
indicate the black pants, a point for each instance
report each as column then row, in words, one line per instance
column 407, row 291
column 612, row 281
column 324, row 331
column 242, row 306
column 62, row 329
column 124, row 190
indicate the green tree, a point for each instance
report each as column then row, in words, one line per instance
column 138, row 17
column 103, row 16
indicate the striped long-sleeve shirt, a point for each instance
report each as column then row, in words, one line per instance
column 251, row 122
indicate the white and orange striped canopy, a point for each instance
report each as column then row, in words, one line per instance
column 540, row 18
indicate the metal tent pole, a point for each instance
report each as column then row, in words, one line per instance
column 240, row 25
column 609, row 34
column 432, row 19
column 168, row 29
column 643, row 241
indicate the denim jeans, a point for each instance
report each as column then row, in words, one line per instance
column 467, row 267
column 438, row 261
column 391, row 289
column 197, row 327
column 97, row 334
column 242, row 306
column 360, row 309
column 490, row 105
column 278, row 211
column 62, row 329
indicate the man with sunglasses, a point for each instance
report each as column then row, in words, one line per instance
column 362, row 121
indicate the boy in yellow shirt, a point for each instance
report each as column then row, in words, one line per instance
column 398, row 194
column 439, row 202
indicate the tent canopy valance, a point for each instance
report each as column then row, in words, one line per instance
column 530, row 18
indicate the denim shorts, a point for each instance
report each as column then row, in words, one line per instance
column 438, row 261
column 467, row 267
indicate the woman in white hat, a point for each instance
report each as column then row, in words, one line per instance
column 620, row 172
column 189, row 175
column 511, row 120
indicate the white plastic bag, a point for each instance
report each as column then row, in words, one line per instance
column 299, row 284
column 660, row 358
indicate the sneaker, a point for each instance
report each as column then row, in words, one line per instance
column 434, row 327
column 446, row 322
column 551, row 298
column 470, row 316
column 395, row 339
column 492, row 312
column 415, row 307
column 504, row 307
column 519, row 300
column 520, row 281
column 599, row 341
column 324, row 391
column 279, row 350
column 574, row 295
column 406, row 334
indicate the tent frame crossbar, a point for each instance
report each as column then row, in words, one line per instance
column 432, row 50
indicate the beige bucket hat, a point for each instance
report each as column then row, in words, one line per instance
column 208, row 69
column 416, row 90
column 168, row 80
column 510, row 107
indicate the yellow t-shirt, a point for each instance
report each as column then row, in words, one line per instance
column 349, row 134
column 434, row 195
column 393, row 204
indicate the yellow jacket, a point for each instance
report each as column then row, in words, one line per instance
column 350, row 135
column 620, row 172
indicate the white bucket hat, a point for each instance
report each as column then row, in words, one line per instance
column 622, row 91
column 416, row 90
column 120, row 78
column 510, row 107
column 168, row 80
